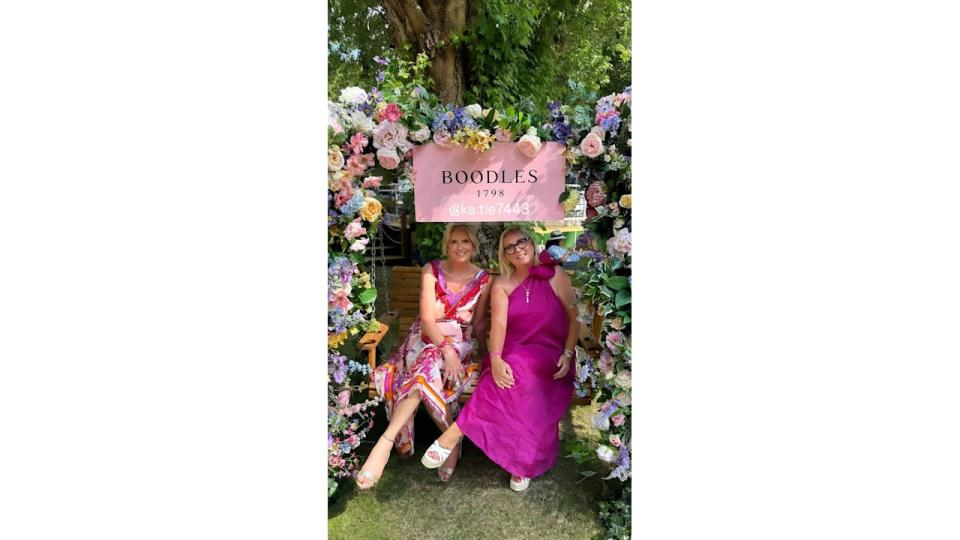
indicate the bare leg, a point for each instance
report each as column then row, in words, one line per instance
column 451, row 436
column 377, row 460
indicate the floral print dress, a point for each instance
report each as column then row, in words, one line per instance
column 418, row 363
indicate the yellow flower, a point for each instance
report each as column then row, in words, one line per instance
column 354, row 331
column 370, row 211
column 626, row 201
column 336, row 340
column 479, row 140
column 571, row 202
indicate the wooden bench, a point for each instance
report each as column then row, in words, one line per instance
column 404, row 296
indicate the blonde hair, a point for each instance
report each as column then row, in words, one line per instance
column 471, row 234
column 505, row 267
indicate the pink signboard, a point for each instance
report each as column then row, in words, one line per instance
column 501, row 184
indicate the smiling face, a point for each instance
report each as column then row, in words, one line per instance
column 517, row 248
column 460, row 248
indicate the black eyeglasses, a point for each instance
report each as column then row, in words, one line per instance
column 510, row 249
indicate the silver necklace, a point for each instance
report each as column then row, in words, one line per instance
column 526, row 291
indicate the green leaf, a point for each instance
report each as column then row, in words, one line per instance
column 623, row 298
column 340, row 138
column 368, row 296
column 617, row 282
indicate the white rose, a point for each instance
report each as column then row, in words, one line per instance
column 474, row 111
column 529, row 145
column 606, row 454
column 623, row 379
column 421, row 134
column 335, row 159
column 353, row 95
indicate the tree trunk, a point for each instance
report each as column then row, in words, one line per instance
column 428, row 25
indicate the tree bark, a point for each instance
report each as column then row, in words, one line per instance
column 428, row 26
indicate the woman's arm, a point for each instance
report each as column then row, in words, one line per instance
column 502, row 374
column 453, row 369
column 480, row 317
column 568, row 297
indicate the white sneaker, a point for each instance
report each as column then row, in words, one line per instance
column 519, row 483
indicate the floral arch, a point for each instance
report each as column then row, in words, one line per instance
column 372, row 135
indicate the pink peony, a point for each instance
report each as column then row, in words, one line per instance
column 595, row 194
column 354, row 230
column 388, row 158
column 388, row 135
column 591, row 145
column 605, row 363
column 357, row 143
column 618, row 419
column 442, row 139
column 619, row 244
column 372, row 182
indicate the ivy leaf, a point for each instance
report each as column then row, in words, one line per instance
column 617, row 282
column 623, row 298
column 368, row 296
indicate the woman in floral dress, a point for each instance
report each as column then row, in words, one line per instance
column 434, row 365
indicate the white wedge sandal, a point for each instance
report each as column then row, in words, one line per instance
column 440, row 455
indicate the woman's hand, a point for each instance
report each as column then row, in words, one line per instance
column 564, row 365
column 502, row 373
column 452, row 368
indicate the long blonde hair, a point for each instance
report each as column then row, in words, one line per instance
column 467, row 228
column 505, row 267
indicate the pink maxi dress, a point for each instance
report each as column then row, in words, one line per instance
column 518, row 428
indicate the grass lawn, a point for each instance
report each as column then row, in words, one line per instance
column 410, row 502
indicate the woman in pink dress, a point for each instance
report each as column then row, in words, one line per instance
column 434, row 365
column 527, row 380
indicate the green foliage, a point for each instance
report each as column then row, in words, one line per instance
column 615, row 516
column 517, row 53
column 429, row 240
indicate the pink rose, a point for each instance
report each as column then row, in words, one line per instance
column 372, row 182
column 442, row 139
column 618, row 419
column 359, row 245
column 591, row 145
column 503, row 135
column 344, row 195
column 343, row 398
column 615, row 441
column 392, row 112
column 341, row 300
column 356, row 165
column 529, row 145
column 388, row 158
column 354, row 229
column 357, row 143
